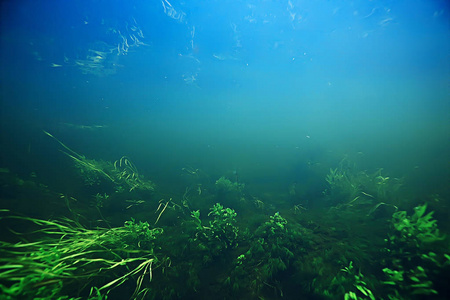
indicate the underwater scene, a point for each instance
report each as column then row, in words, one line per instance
column 233, row 149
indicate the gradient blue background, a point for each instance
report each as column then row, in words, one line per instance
column 269, row 88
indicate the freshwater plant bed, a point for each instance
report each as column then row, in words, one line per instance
column 220, row 242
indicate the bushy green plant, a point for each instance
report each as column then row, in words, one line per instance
column 270, row 253
column 101, row 200
column 223, row 225
column 417, row 229
column 351, row 283
column 221, row 232
column 224, row 185
column 140, row 234
column 409, row 268
column 276, row 224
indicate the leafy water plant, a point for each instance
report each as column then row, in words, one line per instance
column 270, row 252
column 141, row 233
column 225, row 185
column 411, row 264
column 276, row 224
column 361, row 289
column 418, row 229
column 414, row 281
column 101, row 200
column 350, row 283
column 220, row 234
column 223, row 226
column 335, row 177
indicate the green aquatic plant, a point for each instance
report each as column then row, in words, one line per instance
column 360, row 285
column 276, row 224
column 349, row 187
column 350, row 283
column 221, row 232
column 414, row 281
column 223, row 225
column 342, row 186
column 224, row 185
column 126, row 173
column 382, row 184
column 270, row 252
column 122, row 173
column 101, row 200
column 142, row 233
column 89, row 169
column 68, row 257
column 197, row 221
column 417, row 229
column 411, row 267
column 335, row 177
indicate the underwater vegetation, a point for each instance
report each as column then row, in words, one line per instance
column 122, row 173
column 123, row 237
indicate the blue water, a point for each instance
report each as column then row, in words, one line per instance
column 277, row 92
column 236, row 78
